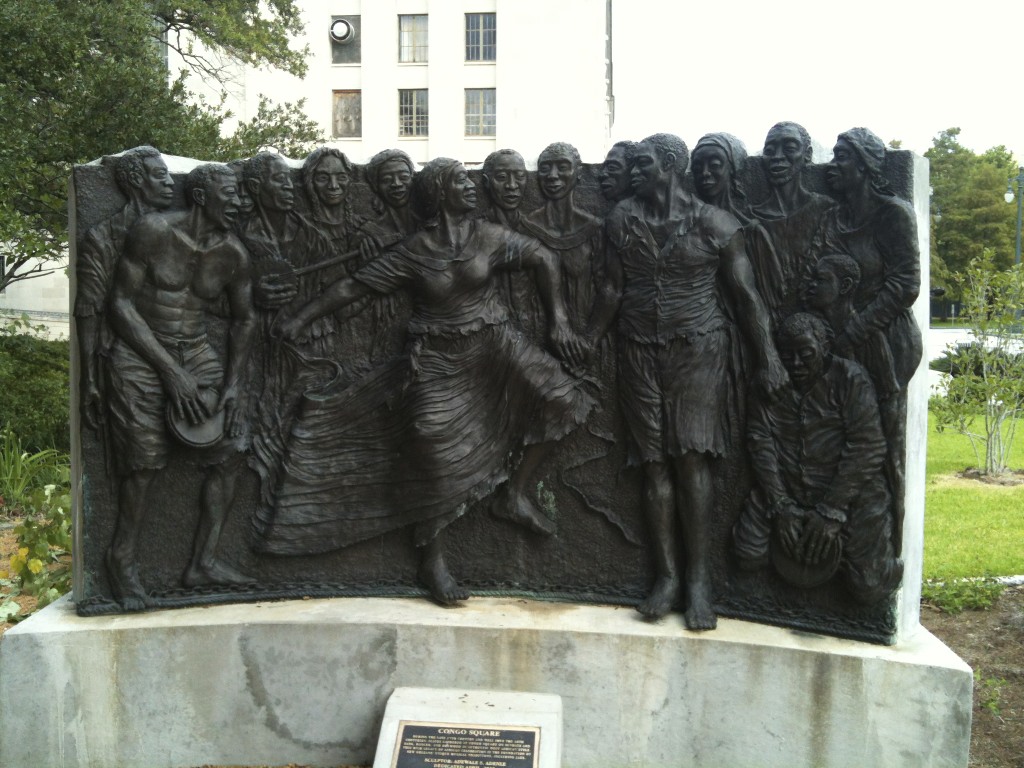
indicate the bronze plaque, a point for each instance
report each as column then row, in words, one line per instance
column 426, row 745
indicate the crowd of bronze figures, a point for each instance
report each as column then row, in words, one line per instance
column 397, row 364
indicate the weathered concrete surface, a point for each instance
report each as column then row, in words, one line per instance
column 307, row 682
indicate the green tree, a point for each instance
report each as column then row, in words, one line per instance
column 969, row 215
column 985, row 395
column 78, row 80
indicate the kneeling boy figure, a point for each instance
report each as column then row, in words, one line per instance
column 820, row 502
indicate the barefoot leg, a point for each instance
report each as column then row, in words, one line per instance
column 660, row 520
column 514, row 502
column 695, row 504
column 217, row 495
column 435, row 575
column 122, row 557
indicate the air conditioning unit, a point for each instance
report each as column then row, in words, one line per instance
column 342, row 31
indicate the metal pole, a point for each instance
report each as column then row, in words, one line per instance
column 1020, row 209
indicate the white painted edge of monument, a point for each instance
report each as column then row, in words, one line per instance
column 458, row 706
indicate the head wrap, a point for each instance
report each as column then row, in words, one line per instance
column 869, row 148
column 734, row 149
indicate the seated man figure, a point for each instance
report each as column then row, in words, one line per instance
column 821, row 501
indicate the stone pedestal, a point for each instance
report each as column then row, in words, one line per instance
column 307, row 681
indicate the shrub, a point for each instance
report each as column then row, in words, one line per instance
column 957, row 595
column 34, row 387
column 22, row 473
column 42, row 565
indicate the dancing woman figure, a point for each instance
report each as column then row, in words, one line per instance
column 479, row 404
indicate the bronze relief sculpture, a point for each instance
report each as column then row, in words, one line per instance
column 590, row 383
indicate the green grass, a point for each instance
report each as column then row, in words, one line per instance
column 970, row 528
column 955, row 323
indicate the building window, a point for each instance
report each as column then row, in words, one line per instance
column 412, row 38
column 345, row 36
column 348, row 114
column 412, row 112
column 481, row 36
column 480, row 112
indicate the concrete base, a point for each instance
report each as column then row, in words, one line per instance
column 307, row 682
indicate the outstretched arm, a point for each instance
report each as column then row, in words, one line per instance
column 339, row 294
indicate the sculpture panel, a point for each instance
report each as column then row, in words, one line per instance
column 591, row 383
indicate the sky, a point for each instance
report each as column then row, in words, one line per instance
column 906, row 70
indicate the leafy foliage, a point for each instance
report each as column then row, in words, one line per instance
column 985, row 396
column 254, row 32
column 990, row 692
column 34, row 387
column 967, row 192
column 958, row 595
column 21, row 472
column 38, row 488
column 78, row 80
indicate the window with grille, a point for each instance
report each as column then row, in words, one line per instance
column 412, row 112
column 481, row 36
column 480, row 111
column 412, row 38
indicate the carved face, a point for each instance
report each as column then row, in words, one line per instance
column 330, row 181
column 155, row 184
column 614, row 175
column 803, row 357
column 711, row 172
column 221, row 203
column 650, row 172
column 393, row 183
column 784, row 154
column 846, row 171
column 556, row 175
column 822, row 287
column 276, row 191
column 506, row 181
column 459, row 195
column 246, row 205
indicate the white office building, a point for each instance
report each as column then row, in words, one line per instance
column 454, row 78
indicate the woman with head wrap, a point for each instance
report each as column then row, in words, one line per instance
column 477, row 401
column 879, row 231
column 389, row 175
column 717, row 162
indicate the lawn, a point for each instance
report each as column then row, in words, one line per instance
column 970, row 528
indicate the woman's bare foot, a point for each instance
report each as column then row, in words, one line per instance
column 519, row 509
column 662, row 598
column 439, row 582
column 126, row 585
column 700, row 612
column 217, row 572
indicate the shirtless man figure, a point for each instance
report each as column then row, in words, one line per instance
column 176, row 265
